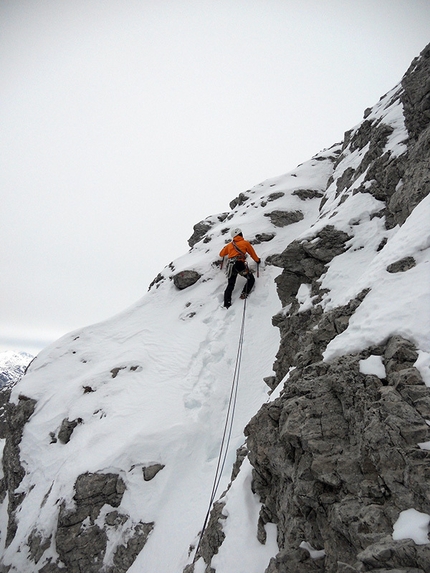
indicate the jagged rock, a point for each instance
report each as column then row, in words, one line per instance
column 400, row 354
column 239, row 200
column 213, row 535
column 345, row 180
column 81, row 542
column 241, row 454
column 396, row 555
column 271, row 381
column 149, row 472
column 415, row 183
column 185, row 279
column 304, row 262
column 284, row 218
column 390, row 570
column 330, row 243
column 115, row 519
column 202, row 227
column 336, row 459
column 401, row 181
column 294, row 561
column 305, row 194
column 200, row 230
column 402, row 265
column 404, row 184
column 17, row 416
column 275, row 195
column 125, row 555
column 262, row 238
column 50, row 568
column 4, row 400
column 156, row 282
column 416, row 94
column 378, row 139
column 66, row 430
column 37, row 545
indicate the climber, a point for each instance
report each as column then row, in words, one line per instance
column 236, row 264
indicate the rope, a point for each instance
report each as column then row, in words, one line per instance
column 228, row 428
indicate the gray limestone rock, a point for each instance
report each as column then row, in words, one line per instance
column 239, row 200
column 415, row 182
column 66, row 430
column 203, row 227
column 336, row 459
column 37, row 545
column 149, row 472
column 395, row 555
column 262, row 238
column 213, row 535
column 17, row 416
column 284, row 218
column 329, row 243
column 304, row 262
column 185, row 279
column 81, row 542
column 305, row 194
column 275, row 195
column 416, row 94
column 4, row 399
column 200, row 230
column 157, row 281
column 126, row 554
column 402, row 265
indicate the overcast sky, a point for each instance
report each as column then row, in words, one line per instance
column 125, row 122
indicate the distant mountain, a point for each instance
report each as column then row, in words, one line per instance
column 12, row 366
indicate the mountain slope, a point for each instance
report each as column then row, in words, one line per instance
column 114, row 433
column 151, row 386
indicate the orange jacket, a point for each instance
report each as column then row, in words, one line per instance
column 243, row 245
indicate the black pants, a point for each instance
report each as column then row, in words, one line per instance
column 239, row 268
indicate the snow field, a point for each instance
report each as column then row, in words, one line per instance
column 151, row 385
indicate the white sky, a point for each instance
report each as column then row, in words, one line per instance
column 125, row 122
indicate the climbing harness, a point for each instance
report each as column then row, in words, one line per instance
column 229, row 266
column 228, row 427
column 241, row 256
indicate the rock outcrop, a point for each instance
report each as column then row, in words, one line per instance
column 336, row 460
column 185, row 279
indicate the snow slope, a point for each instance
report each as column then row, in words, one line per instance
column 175, row 351
column 152, row 384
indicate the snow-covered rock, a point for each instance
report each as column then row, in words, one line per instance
column 12, row 366
column 116, row 430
